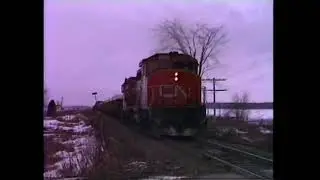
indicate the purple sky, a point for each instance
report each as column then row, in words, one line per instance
column 94, row 46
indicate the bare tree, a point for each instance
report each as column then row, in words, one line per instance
column 200, row 41
column 239, row 112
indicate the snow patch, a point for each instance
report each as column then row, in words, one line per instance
column 80, row 141
column 75, row 160
column 63, row 154
column 51, row 174
column 68, row 117
column 165, row 177
column 265, row 131
column 85, row 142
column 247, row 139
column 240, row 132
column 79, row 127
column 48, row 135
column 82, row 128
column 52, row 124
column 136, row 165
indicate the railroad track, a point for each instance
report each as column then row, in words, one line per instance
column 249, row 164
column 246, row 161
column 71, row 178
column 250, row 149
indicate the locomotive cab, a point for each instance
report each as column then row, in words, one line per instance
column 168, row 61
column 172, row 96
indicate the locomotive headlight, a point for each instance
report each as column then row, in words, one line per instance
column 175, row 78
column 176, row 74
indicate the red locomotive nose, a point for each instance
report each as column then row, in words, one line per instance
column 173, row 88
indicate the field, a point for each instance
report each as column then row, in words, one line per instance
column 132, row 155
column 69, row 145
column 260, row 136
column 92, row 145
column 98, row 147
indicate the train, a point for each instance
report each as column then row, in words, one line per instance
column 164, row 96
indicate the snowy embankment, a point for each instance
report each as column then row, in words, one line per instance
column 69, row 146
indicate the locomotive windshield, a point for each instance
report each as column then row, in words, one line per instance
column 189, row 66
column 168, row 62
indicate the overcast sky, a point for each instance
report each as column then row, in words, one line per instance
column 93, row 45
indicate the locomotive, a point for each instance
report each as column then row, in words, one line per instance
column 164, row 96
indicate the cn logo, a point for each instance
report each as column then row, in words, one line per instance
column 180, row 90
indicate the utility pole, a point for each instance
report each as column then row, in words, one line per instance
column 214, row 90
column 62, row 103
column 204, row 89
column 204, row 97
column 214, row 80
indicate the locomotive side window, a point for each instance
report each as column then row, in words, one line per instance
column 151, row 67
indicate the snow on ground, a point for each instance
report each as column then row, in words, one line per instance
column 240, row 132
column 68, row 141
column 253, row 114
column 52, row 124
column 64, row 125
column 265, row 131
column 165, row 178
column 68, row 117
column 136, row 165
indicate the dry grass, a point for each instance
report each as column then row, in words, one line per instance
column 79, row 165
column 120, row 149
column 130, row 155
column 51, row 146
column 259, row 140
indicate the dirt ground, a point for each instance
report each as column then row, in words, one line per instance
column 243, row 133
column 126, row 153
column 131, row 154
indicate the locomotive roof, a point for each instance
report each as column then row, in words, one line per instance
column 188, row 57
column 130, row 79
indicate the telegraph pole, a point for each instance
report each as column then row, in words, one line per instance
column 214, row 90
column 214, row 80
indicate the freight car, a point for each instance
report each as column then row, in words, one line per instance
column 165, row 95
column 112, row 107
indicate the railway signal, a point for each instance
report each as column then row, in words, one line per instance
column 95, row 95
